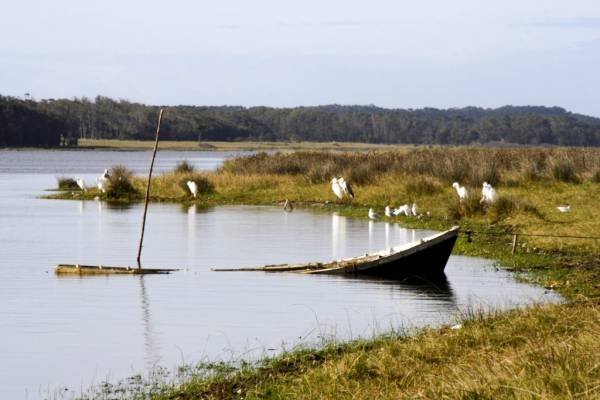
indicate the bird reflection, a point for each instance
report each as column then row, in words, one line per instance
column 338, row 236
column 191, row 225
column 371, row 234
column 387, row 235
column 81, row 207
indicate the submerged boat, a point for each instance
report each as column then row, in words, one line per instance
column 425, row 258
column 80, row 269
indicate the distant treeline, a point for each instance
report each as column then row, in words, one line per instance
column 22, row 124
column 104, row 118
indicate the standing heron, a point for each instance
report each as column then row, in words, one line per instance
column 489, row 194
column 461, row 191
column 388, row 212
column 337, row 189
column 346, row 188
column 287, row 206
column 81, row 184
column 193, row 188
column 415, row 210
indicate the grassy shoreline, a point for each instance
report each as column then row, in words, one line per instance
column 542, row 351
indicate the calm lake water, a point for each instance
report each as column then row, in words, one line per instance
column 75, row 332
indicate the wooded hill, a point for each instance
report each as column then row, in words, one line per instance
column 105, row 118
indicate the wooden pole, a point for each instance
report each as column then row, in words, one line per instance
column 139, row 254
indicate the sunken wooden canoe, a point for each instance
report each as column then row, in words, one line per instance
column 80, row 269
column 425, row 258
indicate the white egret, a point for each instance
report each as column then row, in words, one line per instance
column 193, row 188
column 564, row 208
column 373, row 214
column 489, row 193
column 101, row 184
column 81, row 184
column 106, row 175
column 404, row 209
column 461, row 191
column 388, row 211
column 346, row 188
column 415, row 209
column 337, row 189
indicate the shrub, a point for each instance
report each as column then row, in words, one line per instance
column 65, row 183
column 120, row 184
column 184, row 167
column 564, row 170
column 457, row 209
column 596, row 176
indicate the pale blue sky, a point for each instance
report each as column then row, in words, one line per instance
column 406, row 54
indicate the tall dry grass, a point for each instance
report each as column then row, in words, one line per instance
column 469, row 166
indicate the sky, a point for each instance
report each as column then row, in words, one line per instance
column 395, row 54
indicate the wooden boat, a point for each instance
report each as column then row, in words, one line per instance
column 80, row 269
column 426, row 258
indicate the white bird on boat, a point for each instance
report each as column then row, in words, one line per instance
column 193, row 188
column 373, row 214
column 461, row 191
column 346, row 188
column 415, row 209
column 489, row 194
column 388, row 211
column 564, row 208
column 81, row 184
column 337, row 188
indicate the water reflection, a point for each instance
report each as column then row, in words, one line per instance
column 152, row 354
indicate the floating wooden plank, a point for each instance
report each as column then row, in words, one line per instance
column 426, row 257
column 80, row 269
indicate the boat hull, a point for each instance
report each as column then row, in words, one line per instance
column 425, row 258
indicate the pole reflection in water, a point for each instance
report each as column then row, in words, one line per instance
column 151, row 347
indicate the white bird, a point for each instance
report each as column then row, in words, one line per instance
column 415, row 209
column 100, row 183
column 81, row 184
column 346, row 188
column 404, row 209
column 456, row 327
column 461, row 191
column 564, row 208
column 193, row 188
column 388, row 211
column 337, row 189
column 106, row 175
column 489, row 194
column 373, row 214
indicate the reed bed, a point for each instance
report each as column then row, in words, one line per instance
column 470, row 166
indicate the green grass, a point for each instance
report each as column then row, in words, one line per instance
column 541, row 352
